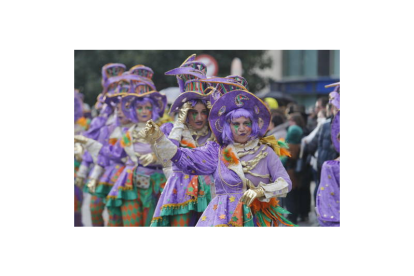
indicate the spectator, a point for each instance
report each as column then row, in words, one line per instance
column 278, row 126
column 320, row 105
column 293, row 138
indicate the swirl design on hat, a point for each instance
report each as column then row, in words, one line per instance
column 239, row 100
column 218, row 126
column 222, row 110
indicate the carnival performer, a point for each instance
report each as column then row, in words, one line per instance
column 78, row 158
column 328, row 194
column 248, row 175
column 138, row 186
column 108, row 164
column 185, row 197
column 111, row 74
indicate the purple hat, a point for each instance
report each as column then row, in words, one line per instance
column 225, row 85
column 188, row 75
column 334, row 99
column 142, row 71
column 140, row 87
column 188, row 70
column 78, row 105
column 110, row 74
column 193, row 90
column 234, row 100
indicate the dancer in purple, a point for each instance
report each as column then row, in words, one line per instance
column 138, row 186
column 185, row 196
column 248, row 175
column 89, row 171
column 328, row 195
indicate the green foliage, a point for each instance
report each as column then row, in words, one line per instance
column 88, row 65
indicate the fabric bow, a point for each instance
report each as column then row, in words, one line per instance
column 279, row 146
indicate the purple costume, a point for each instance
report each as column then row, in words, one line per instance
column 235, row 167
column 185, row 197
column 328, row 195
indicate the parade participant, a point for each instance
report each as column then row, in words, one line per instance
column 78, row 159
column 137, row 187
column 328, row 195
column 111, row 74
column 248, row 175
column 108, row 164
column 185, row 197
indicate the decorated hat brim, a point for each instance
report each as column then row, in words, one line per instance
column 335, row 130
column 185, row 71
column 188, row 96
column 234, row 100
column 159, row 99
column 224, row 81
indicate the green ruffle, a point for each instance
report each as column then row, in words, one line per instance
column 198, row 205
column 102, row 191
column 146, row 196
column 162, row 222
column 247, row 222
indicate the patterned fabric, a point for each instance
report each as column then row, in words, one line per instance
column 132, row 213
column 78, row 199
column 182, row 220
column 115, row 217
column 97, row 207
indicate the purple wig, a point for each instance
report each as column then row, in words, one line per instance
column 133, row 113
column 227, row 135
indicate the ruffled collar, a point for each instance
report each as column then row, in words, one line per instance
column 247, row 146
column 199, row 133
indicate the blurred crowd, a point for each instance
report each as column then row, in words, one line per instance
column 308, row 135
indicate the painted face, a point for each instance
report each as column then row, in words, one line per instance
column 144, row 112
column 241, row 128
column 197, row 116
column 121, row 116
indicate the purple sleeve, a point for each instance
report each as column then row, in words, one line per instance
column 276, row 168
column 328, row 195
column 115, row 152
column 198, row 161
column 95, row 127
column 86, row 159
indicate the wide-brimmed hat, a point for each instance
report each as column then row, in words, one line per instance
column 234, row 100
column 194, row 90
column 142, row 71
column 141, row 87
column 189, row 69
column 334, row 99
column 225, row 85
column 188, row 76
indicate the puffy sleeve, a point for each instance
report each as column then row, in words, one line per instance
column 198, row 161
column 281, row 183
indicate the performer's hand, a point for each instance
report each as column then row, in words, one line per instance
column 78, row 152
column 147, row 159
column 182, row 115
column 92, row 185
column 81, row 139
column 150, row 133
column 251, row 194
column 79, row 181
